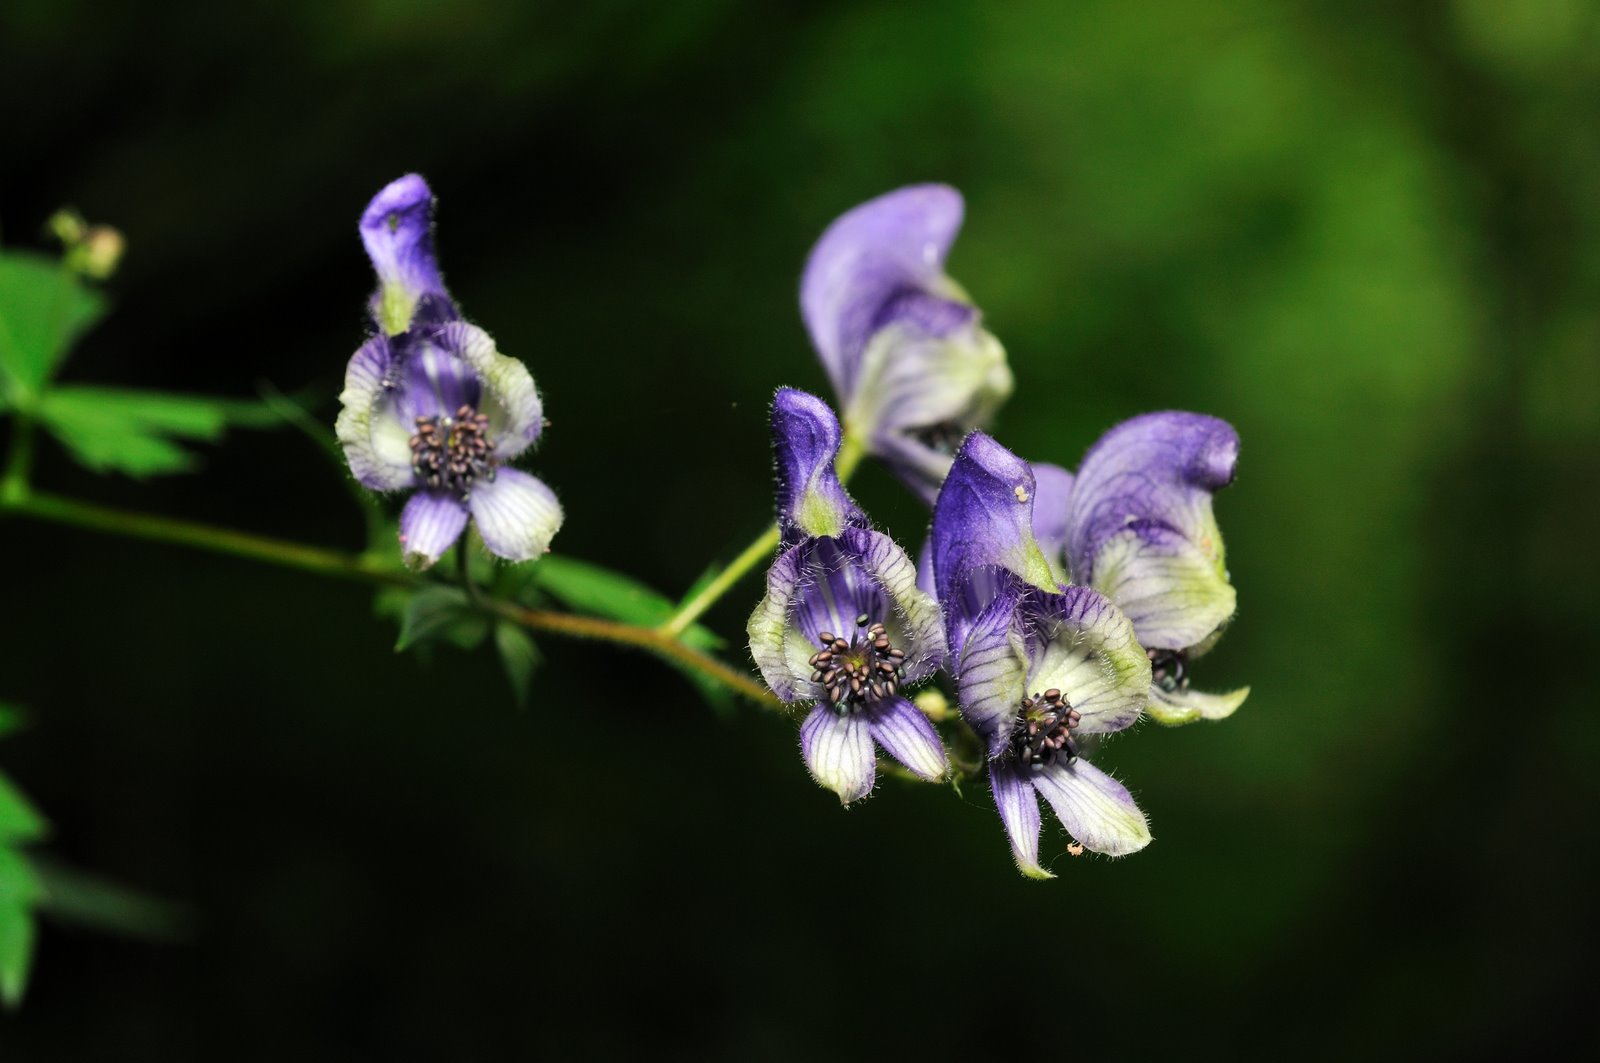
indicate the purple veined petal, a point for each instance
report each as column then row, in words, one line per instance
column 429, row 524
column 925, row 567
column 915, row 623
column 1173, row 593
column 397, row 229
column 375, row 439
column 1052, row 493
column 805, row 442
column 1188, row 706
column 1081, row 644
column 1162, row 468
column 1018, row 805
column 838, row 752
column 1096, row 809
column 920, row 391
column 983, row 519
column 515, row 514
column 433, row 380
column 508, row 396
column 991, row 669
column 908, row 736
column 868, row 256
column 779, row 654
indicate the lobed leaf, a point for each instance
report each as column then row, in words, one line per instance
column 44, row 308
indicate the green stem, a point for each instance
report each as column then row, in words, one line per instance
column 851, row 452
column 14, row 485
column 323, row 562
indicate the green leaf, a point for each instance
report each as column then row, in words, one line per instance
column 602, row 592
column 16, row 951
column 520, row 656
column 18, row 883
column 121, row 430
column 44, row 307
column 19, row 820
column 73, row 896
column 441, row 614
column 592, row 589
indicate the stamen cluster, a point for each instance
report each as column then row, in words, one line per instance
column 942, row 437
column 453, row 453
column 1169, row 670
column 1043, row 731
column 866, row 668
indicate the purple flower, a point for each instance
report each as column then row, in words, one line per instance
column 1036, row 664
column 910, row 362
column 843, row 623
column 434, row 408
column 1142, row 532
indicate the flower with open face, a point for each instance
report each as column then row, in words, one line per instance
column 842, row 624
column 1036, row 664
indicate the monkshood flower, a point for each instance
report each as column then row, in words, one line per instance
column 912, row 366
column 1036, row 664
column 431, row 407
column 1142, row 532
column 843, row 623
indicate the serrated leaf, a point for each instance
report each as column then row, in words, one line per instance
column 43, row 308
column 520, row 656
column 16, row 950
column 441, row 614
column 130, row 431
column 19, row 820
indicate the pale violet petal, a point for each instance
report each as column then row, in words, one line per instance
column 908, row 736
column 429, row 524
column 1096, row 809
column 515, row 514
column 1018, row 805
column 838, row 752
column 376, row 442
column 1173, row 593
column 991, row 671
column 1187, row 706
column 510, row 400
column 1083, row 646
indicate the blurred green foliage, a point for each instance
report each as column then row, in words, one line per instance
column 1367, row 234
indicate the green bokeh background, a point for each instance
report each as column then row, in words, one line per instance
column 1368, row 234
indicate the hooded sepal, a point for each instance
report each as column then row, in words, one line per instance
column 1142, row 530
column 397, row 229
column 983, row 523
column 805, row 442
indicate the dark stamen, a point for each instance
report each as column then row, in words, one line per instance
column 944, row 437
column 453, row 453
column 858, row 672
column 1044, row 731
column 1169, row 670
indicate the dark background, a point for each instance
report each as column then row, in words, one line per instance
column 1368, row 234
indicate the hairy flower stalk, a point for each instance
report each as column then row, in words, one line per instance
column 843, row 624
column 1036, row 664
column 1140, row 530
column 910, row 362
column 431, row 407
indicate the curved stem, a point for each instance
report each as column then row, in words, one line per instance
column 324, row 562
column 851, row 451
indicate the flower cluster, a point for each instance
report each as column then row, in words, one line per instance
column 432, row 408
column 1060, row 607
